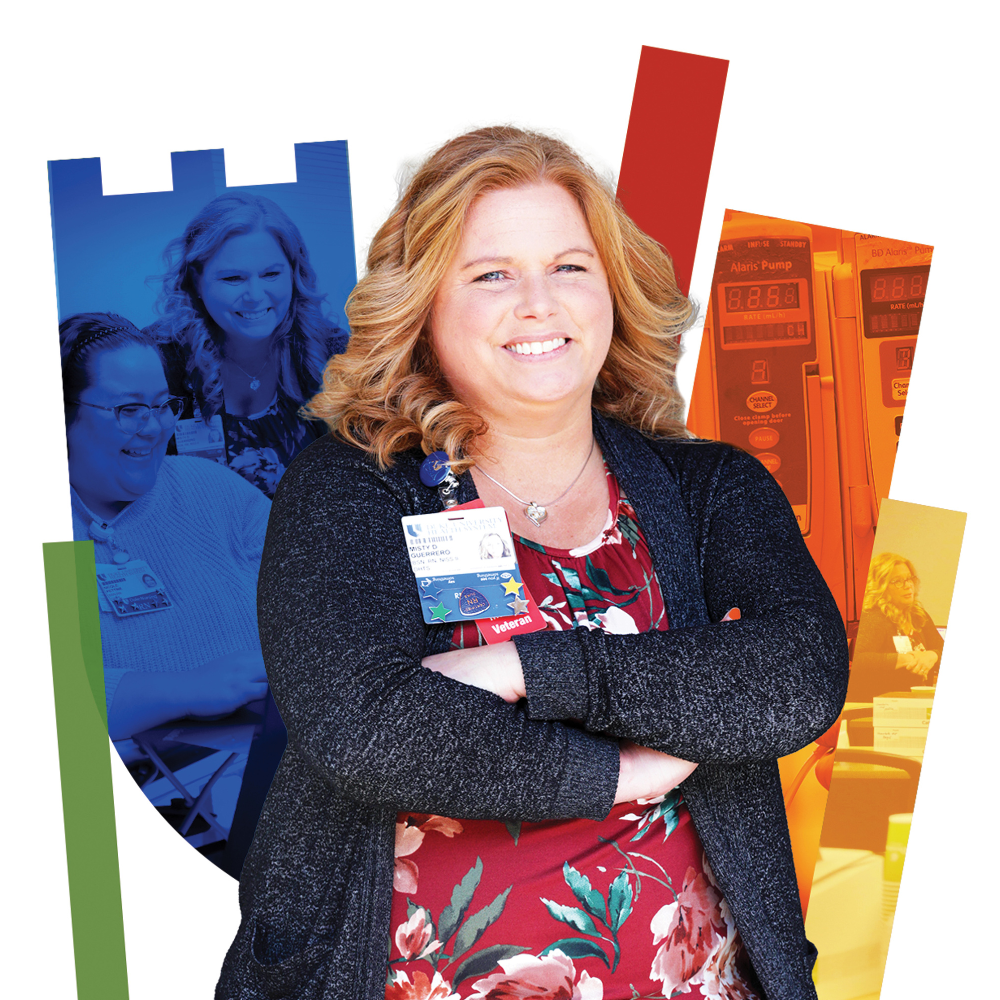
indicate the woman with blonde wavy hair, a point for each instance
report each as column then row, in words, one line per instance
column 239, row 299
column 590, row 810
column 898, row 646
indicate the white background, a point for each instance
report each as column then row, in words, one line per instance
column 875, row 117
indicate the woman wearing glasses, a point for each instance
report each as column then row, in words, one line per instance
column 898, row 647
column 186, row 646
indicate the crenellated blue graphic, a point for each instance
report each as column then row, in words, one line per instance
column 194, row 324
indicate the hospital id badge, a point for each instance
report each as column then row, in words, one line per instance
column 464, row 563
column 203, row 439
column 902, row 643
column 131, row 588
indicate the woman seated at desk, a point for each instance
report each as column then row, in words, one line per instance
column 898, row 646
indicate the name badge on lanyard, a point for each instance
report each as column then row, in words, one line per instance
column 466, row 570
column 131, row 588
column 204, row 439
column 902, row 643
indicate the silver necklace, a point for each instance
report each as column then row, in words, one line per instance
column 254, row 379
column 538, row 512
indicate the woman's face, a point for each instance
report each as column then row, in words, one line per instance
column 493, row 546
column 902, row 586
column 522, row 320
column 247, row 286
column 109, row 467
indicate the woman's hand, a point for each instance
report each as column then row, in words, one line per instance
column 926, row 659
column 920, row 661
column 216, row 688
column 494, row 668
column 645, row 773
column 225, row 684
column 642, row 774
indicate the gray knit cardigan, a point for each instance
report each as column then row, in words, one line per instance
column 372, row 733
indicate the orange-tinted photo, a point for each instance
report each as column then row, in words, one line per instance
column 895, row 660
column 805, row 362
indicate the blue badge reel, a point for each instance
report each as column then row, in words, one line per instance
column 464, row 564
column 435, row 471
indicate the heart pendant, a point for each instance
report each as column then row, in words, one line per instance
column 535, row 513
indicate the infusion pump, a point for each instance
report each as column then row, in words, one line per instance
column 809, row 340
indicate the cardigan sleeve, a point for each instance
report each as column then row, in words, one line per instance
column 343, row 638
column 873, row 665
column 752, row 689
column 873, row 647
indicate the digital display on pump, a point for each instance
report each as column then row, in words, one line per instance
column 753, row 298
column 754, row 313
column 892, row 300
column 763, row 341
column 761, row 332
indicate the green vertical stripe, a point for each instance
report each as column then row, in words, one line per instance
column 85, row 771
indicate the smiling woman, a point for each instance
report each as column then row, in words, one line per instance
column 177, row 540
column 247, row 288
column 109, row 470
column 476, row 807
column 528, row 295
column 240, row 301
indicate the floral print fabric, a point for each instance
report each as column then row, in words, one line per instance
column 621, row 909
column 260, row 446
column 609, row 583
column 616, row 910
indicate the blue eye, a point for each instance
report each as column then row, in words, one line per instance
column 570, row 268
column 490, row 276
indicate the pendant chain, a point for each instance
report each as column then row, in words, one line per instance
column 538, row 512
column 254, row 379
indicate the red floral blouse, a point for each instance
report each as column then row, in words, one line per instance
column 620, row 909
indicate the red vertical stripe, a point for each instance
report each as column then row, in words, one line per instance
column 668, row 148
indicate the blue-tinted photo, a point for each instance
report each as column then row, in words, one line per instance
column 193, row 326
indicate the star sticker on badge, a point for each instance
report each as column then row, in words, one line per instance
column 438, row 613
column 519, row 606
column 512, row 586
